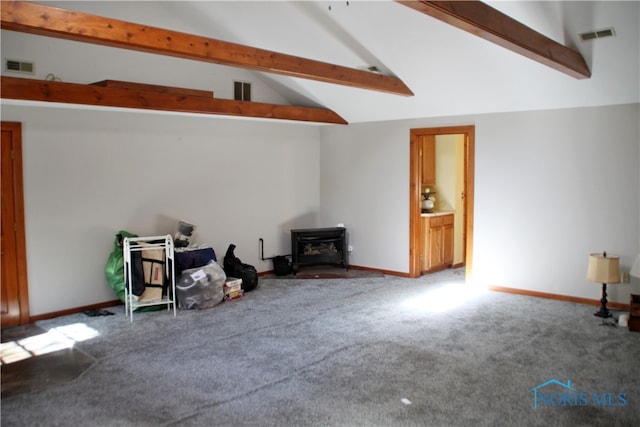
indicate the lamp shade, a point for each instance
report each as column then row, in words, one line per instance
column 603, row 269
column 635, row 269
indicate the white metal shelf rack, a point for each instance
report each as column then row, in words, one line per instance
column 140, row 244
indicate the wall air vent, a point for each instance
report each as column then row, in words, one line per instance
column 19, row 66
column 607, row 32
column 241, row 91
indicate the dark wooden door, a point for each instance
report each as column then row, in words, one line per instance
column 14, row 303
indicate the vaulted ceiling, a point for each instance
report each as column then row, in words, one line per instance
column 450, row 71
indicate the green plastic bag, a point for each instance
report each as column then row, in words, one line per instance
column 114, row 270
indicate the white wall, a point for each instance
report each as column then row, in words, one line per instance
column 88, row 174
column 450, row 186
column 364, row 171
column 550, row 187
column 446, row 173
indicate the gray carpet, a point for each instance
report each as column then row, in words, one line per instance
column 349, row 352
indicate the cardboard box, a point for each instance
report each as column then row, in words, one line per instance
column 151, row 294
column 232, row 284
column 153, row 269
column 234, row 295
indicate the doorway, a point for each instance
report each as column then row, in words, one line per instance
column 417, row 235
column 13, row 268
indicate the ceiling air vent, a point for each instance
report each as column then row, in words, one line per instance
column 19, row 66
column 607, row 32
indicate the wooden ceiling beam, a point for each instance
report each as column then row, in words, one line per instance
column 50, row 21
column 154, row 88
column 490, row 24
column 154, row 98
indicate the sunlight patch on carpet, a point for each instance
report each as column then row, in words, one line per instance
column 444, row 298
column 55, row 339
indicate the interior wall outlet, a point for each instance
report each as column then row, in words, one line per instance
column 350, row 248
column 340, row 224
column 625, row 277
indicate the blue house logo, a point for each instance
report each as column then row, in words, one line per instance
column 556, row 393
column 542, row 398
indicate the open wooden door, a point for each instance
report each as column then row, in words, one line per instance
column 416, row 237
column 13, row 269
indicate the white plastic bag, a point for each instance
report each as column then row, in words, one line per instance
column 201, row 287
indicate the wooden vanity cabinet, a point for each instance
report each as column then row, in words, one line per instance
column 438, row 242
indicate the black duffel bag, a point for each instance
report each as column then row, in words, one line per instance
column 234, row 267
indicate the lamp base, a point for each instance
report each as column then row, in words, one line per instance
column 611, row 321
column 603, row 312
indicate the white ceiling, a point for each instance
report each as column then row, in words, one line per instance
column 451, row 72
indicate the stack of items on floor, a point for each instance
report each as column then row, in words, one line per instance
column 233, row 289
column 199, row 278
column 200, row 281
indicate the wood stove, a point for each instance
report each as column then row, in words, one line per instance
column 311, row 246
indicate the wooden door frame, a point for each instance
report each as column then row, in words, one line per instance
column 21, row 249
column 415, row 229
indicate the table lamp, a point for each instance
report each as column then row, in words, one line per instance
column 603, row 269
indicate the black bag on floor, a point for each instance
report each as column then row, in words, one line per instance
column 234, row 267
column 281, row 265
